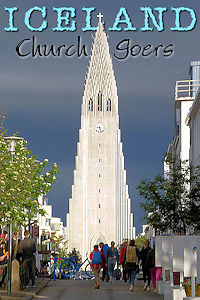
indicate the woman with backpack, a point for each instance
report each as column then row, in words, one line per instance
column 131, row 258
column 97, row 259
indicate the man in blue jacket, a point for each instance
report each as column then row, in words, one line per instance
column 104, row 248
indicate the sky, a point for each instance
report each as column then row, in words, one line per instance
column 42, row 95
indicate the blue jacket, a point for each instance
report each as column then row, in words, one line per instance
column 113, row 254
column 105, row 249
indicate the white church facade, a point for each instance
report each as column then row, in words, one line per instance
column 100, row 207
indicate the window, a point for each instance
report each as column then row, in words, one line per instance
column 99, row 175
column 99, row 205
column 108, row 105
column 99, row 191
column 99, row 160
column 99, row 221
column 90, row 105
column 99, row 103
column 99, row 145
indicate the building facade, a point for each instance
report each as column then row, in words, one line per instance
column 185, row 93
column 42, row 228
column 100, row 207
column 194, row 124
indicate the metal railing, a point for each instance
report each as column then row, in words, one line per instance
column 186, row 88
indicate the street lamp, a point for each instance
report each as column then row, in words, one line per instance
column 12, row 141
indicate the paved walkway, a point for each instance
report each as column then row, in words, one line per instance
column 27, row 293
column 84, row 290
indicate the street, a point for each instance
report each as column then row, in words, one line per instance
column 84, row 290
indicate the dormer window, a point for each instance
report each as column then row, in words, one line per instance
column 99, row 102
column 90, row 105
column 108, row 105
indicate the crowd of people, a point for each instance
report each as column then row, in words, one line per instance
column 103, row 258
column 23, row 251
column 107, row 258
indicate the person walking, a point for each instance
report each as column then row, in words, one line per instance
column 15, row 245
column 105, row 249
column 26, row 249
column 97, row 258
column 145, row 269
column 150, row 263
column 122, row 260
column 4, row 256
column 112, row 257
column 101, row 245
column 131, row 259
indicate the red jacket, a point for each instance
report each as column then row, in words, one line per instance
column 122, row 253
column 102, row 259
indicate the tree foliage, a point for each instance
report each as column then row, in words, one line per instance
column 77, row 255
column 59, row 245
column 21, row 181
column 171, row 201
column 139, row 241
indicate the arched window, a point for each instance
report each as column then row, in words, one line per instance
column 90, row 106
column 108, row 105
column 99, row 103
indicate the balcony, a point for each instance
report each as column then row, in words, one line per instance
column 186, row 89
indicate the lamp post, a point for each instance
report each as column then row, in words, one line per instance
column 12, row 140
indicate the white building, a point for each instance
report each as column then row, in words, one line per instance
column 42, row 228
column 100, row 207
column 57, row 226
column 185, row 92
column 194, row 124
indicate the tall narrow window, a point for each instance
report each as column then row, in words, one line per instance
column 90, row 105
column 99, row 221
column 99, row 205
column 108, row 105
column 99, row 103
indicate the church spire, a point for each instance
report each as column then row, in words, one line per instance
column 99, row 16
column 99, row 209
column 100, row 93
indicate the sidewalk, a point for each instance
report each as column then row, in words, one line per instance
column 84, row 290
column 28, row 293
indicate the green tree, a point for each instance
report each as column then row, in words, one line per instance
column 171, row 201
column 139, row 241
column 77, row 255
column 194, row 203
column 59, row 245
column 21, row 181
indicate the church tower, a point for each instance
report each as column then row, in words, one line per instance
column 100, row 208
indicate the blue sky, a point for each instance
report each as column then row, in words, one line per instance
column 42, row 96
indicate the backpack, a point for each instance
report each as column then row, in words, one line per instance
column 96, row 259
column 105, row 249
column 117, row 274
column 131, row 255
